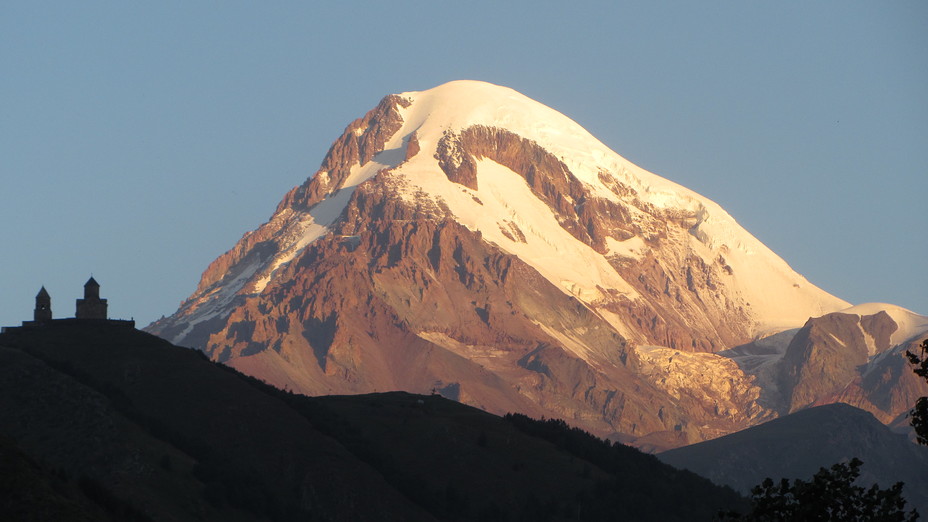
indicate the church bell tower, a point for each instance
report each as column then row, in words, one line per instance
column 91, row 306
column 43, row 307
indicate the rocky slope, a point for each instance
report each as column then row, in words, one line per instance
column 470, row 240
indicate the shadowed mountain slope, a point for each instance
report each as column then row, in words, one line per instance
column 168, row 432
column 797, row 445
column 134, row 427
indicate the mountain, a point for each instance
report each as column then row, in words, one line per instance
column 469, row 240
column 855, row 356
column 109, row 423
column 797, row 445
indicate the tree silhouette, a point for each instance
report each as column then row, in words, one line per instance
column 919, row 413
column 830, row 495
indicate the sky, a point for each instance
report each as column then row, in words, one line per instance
column 139, row 141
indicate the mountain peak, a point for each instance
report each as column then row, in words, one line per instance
column 501, row 244
column 458, row 104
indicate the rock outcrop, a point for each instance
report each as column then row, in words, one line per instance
column 856, row 357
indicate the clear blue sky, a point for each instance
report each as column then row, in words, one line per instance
column 138, row 141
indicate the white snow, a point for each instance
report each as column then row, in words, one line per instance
column 909, row 323
column 633, row 247
column 316, row 222
column 835, row 339
column 506, row 197
column 869, row 341
column 216, row 301
column 778, row 297
column 308, row 230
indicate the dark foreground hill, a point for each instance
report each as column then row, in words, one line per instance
column 111, row 423
column 797, row 445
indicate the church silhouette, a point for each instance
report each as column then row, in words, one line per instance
column 90, row 309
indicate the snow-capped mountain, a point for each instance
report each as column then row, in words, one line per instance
column 469, row 240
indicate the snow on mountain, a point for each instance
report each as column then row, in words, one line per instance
column 909, row 324
column 778, row 296
column 774, row 296
column 470, row 240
